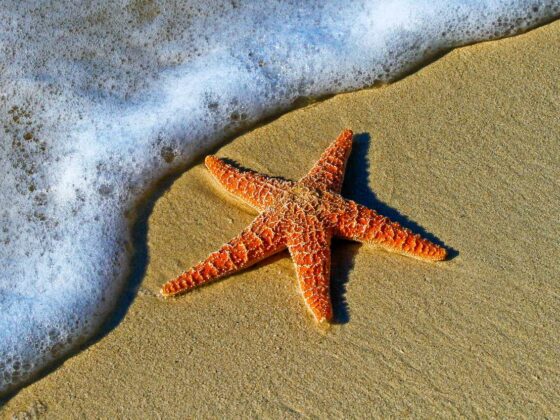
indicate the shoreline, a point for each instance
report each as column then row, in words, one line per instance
column 412, row 200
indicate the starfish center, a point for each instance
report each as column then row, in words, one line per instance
column 301, row 197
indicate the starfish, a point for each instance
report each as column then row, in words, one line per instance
column 302, row 216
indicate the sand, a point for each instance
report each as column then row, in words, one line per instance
column 465, row 151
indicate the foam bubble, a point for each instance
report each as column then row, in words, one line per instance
column 99, row 100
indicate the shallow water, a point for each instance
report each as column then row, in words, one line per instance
column 100, row 101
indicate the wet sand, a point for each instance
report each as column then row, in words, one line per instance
column 465, row 151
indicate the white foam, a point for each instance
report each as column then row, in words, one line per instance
column 97, row 101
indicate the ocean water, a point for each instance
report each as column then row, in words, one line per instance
column 100, row 100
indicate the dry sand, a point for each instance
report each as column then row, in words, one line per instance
column 466, row 149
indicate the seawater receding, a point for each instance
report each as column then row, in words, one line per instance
column 98, row 101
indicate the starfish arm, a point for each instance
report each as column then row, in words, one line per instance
column 328, row 172
column 359, row 223
column 311, row 253
column 258, row 241
column 258, row 190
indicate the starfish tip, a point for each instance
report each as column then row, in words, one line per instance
column 345, row 138
column 210, row 160
column 168, row 290
column 440, row 254
column 323, row 316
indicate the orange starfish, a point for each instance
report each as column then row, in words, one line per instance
column 301, row 216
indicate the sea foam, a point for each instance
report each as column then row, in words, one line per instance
column 100, row 99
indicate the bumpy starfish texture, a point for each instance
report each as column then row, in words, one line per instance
column 302, row 216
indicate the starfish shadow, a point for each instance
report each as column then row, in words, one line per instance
column 356, row 188
column 342, row 263
column 242, row 168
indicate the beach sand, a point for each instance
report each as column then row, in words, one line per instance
column 466, row 151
